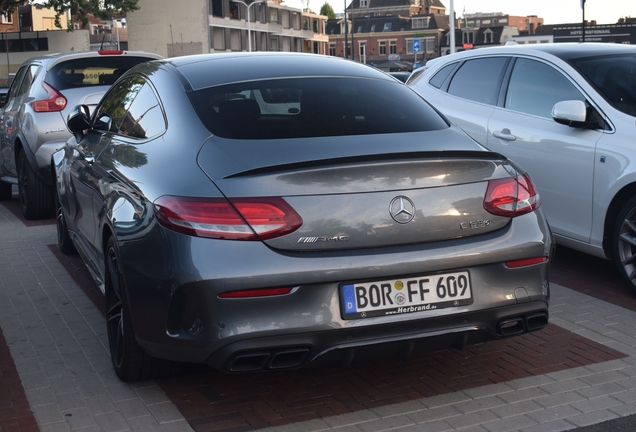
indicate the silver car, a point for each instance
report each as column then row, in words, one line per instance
column 33, row 117
column 357, row 223
column 567, row 114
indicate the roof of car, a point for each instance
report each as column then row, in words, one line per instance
column 564, row 51
column 83, row 54
column 240, row 66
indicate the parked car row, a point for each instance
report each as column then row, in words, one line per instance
column 566, row 114
column 292, row 209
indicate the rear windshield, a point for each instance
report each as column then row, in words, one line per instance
column 313, row 107
column 614, row 77
column 91, row 71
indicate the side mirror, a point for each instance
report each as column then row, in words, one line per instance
column 78, row 120
column 575, row 113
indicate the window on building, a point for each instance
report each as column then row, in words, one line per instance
column 234, row 10
column 332, row 49
column 7, row 18
column 387, row 27
column 359, row 29
column 382, row 47
column 420, row 22
column 486, row 22
column 392, row 47
column 430, row 45
column 488, row 36
column 503, row 20
column 364, row 3
column 372, row 28
column 273, row 16
column 217, row 8
column 315, row 25
column 363, row 49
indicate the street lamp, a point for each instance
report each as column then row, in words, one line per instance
column 249, row 21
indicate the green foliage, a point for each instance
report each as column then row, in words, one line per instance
column 102, row 9
column 326, row 9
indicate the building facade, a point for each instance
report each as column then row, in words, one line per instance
column 172, row 28
column 389, row 34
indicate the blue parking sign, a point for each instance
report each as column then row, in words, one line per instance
column 417, row 47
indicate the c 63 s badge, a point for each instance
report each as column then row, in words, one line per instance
column 323, row 239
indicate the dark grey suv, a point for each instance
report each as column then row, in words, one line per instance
column 33, row 117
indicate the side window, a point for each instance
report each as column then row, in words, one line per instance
column 479, row 80
column 116, row 103
column 29, row 76
column 17, row 82
column 441, row 75
column 144, row 118
column 535, row 87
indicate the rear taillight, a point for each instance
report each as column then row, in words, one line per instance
column 110, row 52
column 263, row 292
column 511, row 196
column 236, row 219
column 54, row 101
column 526, row 262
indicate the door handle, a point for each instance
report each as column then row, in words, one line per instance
column 504, row 134
column 89, row 158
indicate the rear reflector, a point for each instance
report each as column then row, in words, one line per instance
column 511, row 196
column 265, row 292
column 240, row 219
column 526, row 262
column 54, row 101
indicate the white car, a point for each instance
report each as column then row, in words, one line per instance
column 567, row 114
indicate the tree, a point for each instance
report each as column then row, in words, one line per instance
column 326, row 9
column 102, row 9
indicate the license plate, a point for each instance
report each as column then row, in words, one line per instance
column 407, row 295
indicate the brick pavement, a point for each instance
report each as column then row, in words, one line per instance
column 578, row 371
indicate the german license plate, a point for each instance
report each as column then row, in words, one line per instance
column 407, row 295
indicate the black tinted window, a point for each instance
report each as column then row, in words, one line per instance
column 479, row 80
column 117, row 101
column 441, row 75
column 144, row 118
column 313, row 107
column 535, row 87
column 90, row 71
column 614, row 77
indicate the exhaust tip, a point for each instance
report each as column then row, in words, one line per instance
column 248, row 362
column 288, row 358
column 536, row 321
column 510, row 327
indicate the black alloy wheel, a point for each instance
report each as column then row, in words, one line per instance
column 129, row 360
column 625, row 243
column 36, row 198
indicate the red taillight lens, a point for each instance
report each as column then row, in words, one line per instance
column 242, row 219
column 511, row 196
column 54, row 102
column 265, row 292
column 110, row 52
column 526, row 262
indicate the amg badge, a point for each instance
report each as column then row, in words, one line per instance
column 323, row 239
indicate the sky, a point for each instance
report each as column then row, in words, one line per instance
column 552, row 11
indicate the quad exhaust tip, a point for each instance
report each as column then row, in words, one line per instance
column 518, row 325
column 268, row 360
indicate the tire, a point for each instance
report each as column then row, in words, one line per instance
column 36, row 197
column 129, row 360
column 5, row 191
column 64, row 241
column 624, row 243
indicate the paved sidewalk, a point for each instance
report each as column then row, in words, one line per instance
column 57, row 340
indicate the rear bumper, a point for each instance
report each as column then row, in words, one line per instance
column 177, row 314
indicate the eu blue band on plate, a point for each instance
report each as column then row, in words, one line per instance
column 348, row 292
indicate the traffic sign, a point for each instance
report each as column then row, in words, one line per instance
column 417, row 46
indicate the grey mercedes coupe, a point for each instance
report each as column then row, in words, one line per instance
column 267, row 211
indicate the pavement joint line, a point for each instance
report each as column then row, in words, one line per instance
column 62, row 303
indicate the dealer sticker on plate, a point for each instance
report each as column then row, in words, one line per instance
column 408, row 295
